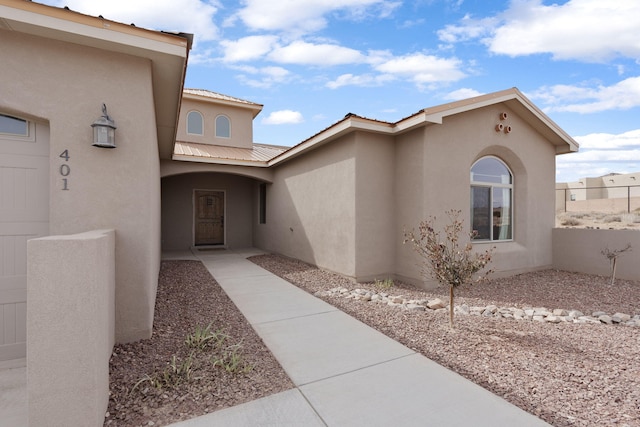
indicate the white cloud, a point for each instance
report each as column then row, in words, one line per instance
column 366, row 80
column 590, row 30
column 582, row 99
column 600, row 154
column 190, row 16
column 587, row 30
column 608, row 141
column 247, row 48
column 262, row 77
column 423, row 69
column 462, row 93
column 283, row 117
column 305, row 16
column 301, row 52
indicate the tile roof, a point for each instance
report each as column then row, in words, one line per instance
column 258, row 154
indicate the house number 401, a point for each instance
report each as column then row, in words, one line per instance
column 64, row 169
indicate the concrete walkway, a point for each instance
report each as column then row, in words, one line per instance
column 345, row 373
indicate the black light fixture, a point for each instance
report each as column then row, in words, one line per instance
column 104, row 130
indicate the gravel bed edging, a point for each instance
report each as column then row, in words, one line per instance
column 536, row 314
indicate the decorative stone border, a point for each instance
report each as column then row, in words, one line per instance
column 535, row 314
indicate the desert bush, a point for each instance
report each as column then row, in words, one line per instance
column 612, row 256
column 570, row 222
column 612, row 218
column 445, row 260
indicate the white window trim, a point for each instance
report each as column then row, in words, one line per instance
column 187, row 123
column 31, row 130
column 491, row 185
column 216, row 126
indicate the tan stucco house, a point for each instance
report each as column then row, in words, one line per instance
column 186, row 172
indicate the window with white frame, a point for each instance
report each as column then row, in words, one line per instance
column 195, row 123
column 491, row 200
column 223, row 127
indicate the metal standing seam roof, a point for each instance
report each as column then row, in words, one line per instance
column 258, row 154
column 218, row 96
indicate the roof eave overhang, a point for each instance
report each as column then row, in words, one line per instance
column 219, row 161
column 167, row 52
column 255, row 108
column 343, row 127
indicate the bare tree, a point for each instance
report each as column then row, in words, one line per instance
column 612, row 256
column 445, row 260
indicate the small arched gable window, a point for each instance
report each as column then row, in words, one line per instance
column 223, row 127
column 491, row 199
column 195, row 123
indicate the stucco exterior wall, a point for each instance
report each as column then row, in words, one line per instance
column 311, row 208
column 442, row 161
column 375, row 209
column 580, row 250
column 241, row 124
column 70, row 328
column 66, row 85
column 177, row 208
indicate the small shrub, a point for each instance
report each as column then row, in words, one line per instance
column 612, row 218
column 384, row 284
column 232, row 361
column 444, row 259
column 204, row 337
column 612, row 256
column 570, row 222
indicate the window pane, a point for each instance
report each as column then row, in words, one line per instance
column 13, row 125
column 481, row 211
column 194, row 123
column 501, row 213
column 223, row 127
column 490, row 170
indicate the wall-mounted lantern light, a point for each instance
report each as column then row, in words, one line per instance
column 104, row 130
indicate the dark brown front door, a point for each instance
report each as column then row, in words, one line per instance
column 208, row 217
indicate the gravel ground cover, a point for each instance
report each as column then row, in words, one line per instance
column 234, row 368
column 567, row 374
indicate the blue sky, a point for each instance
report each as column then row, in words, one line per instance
column 310, row 62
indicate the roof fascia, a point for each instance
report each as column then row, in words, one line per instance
column 343, row 127
column 255, row 108
column 219, row 161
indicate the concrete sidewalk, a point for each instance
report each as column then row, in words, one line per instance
column 345, row 373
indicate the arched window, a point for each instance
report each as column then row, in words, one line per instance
column 491, row 200
column 223, row 127
column 195, row 123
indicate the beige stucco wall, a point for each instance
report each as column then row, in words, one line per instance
column 375, row 211
column 580, row 250
column 66, row 84
column 311, row 208
column 433, row 176
column 241, row 124
column 177, row 208
column 345, row 205
column 70, row 328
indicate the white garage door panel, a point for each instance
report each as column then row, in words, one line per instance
column 24, row 215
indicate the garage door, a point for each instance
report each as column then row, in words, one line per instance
column 24, row 214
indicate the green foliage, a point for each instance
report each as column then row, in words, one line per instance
column 201, row 338
column 232, row 361
column 206, row 347
column 384, row 284
column 446, row 260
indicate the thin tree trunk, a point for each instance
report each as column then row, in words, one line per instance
column 451, row 306
column 613, row 273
